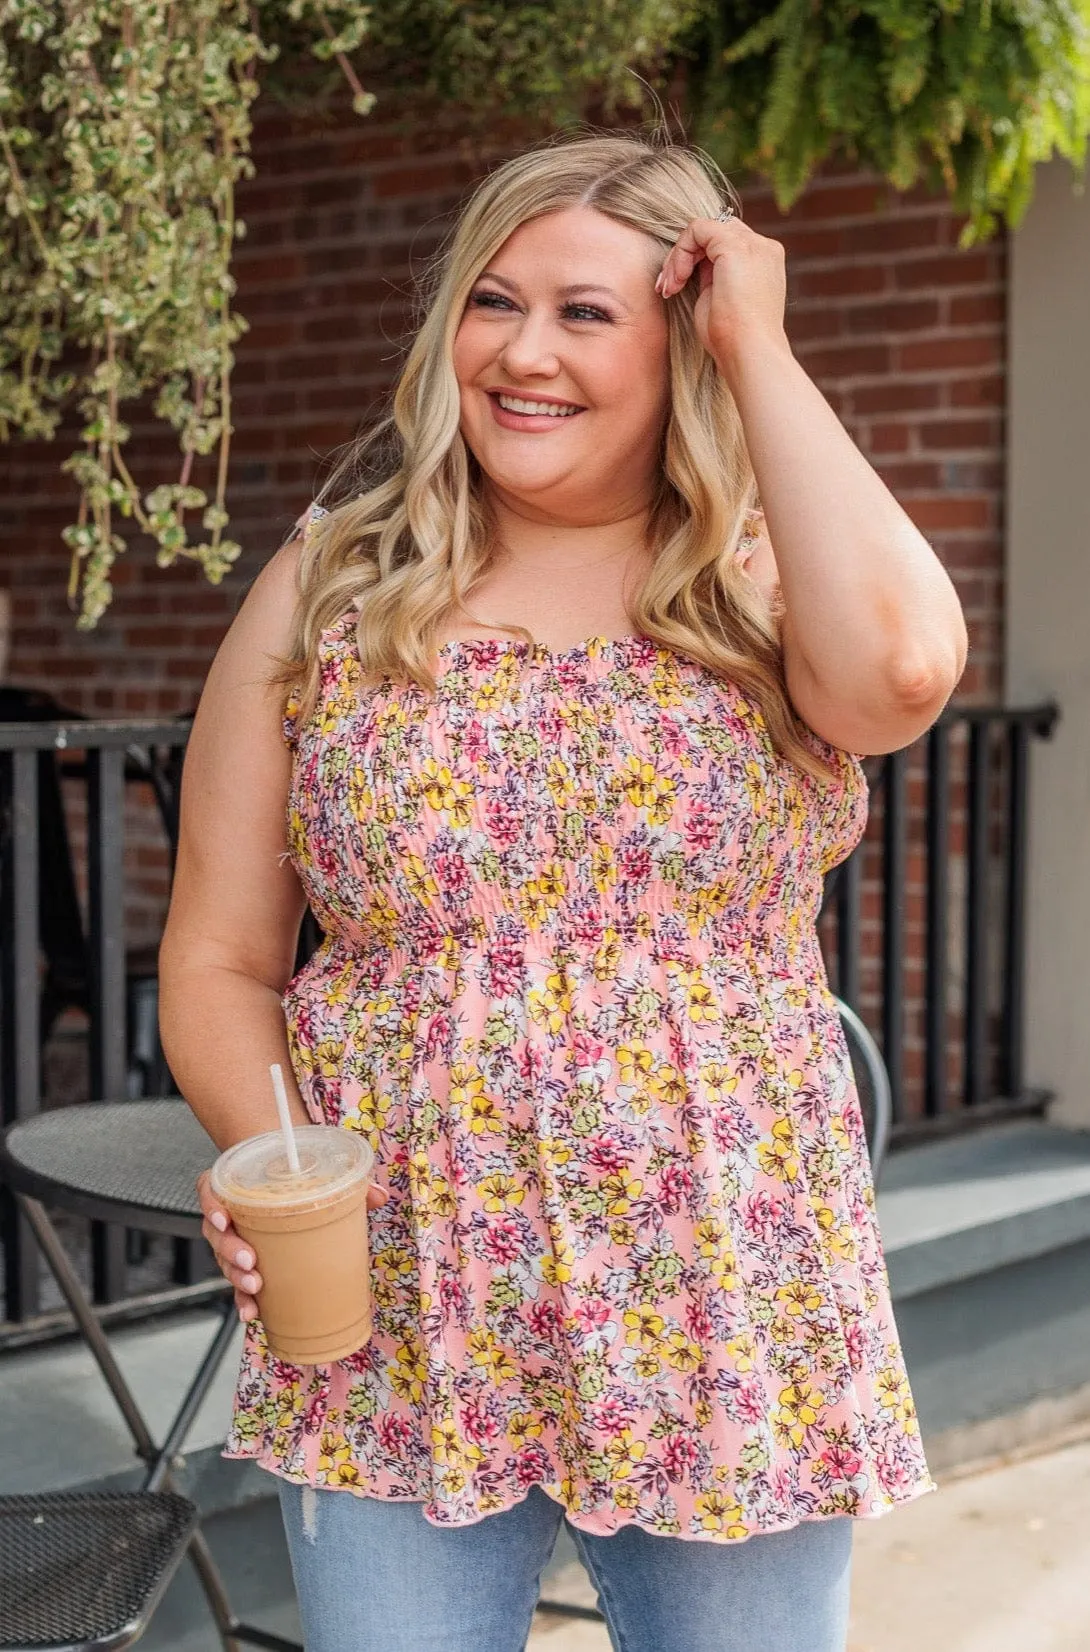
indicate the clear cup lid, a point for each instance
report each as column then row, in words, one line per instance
column 256, row 1171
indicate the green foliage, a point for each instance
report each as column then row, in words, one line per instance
column 967, row 95
column 125, row 129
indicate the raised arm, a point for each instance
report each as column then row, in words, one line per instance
column 874, row 638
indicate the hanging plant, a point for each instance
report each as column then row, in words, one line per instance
column 968, row 95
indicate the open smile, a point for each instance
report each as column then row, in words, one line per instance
column 530, row 412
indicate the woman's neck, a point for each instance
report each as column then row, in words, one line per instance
column 524, row 543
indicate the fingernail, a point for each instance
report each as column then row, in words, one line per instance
column 218, row 1220
column 244, row 1259
column 248, row 1282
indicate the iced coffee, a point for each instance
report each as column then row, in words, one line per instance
column 308, row 1231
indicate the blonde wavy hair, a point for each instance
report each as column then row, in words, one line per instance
column 413, row 545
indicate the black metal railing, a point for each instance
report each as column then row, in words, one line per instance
column 942, row 986
column 948, row 836
column 63, row 946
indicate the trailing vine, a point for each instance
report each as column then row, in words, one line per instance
column 125, row 128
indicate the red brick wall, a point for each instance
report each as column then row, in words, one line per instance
column 903, row 331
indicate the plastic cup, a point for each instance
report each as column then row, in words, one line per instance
column 308, row 1232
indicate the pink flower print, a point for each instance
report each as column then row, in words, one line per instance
column 505, row 966
column 634, row 863
column 544, row 1319
column 701, row 828
column 438, row 1035
column 678, row 1454
column 896, row 1473
column 479, row 1422
column 612, row 1415
column 475, row 744
column 749, row 1402
column 586, row 1051
column 604, row 1153
column 676, row 1185
column 452, row 1295
column 501, row 1241
column 840, row 1462
column 531, row 1464
column 592, row 1313
column 698, row 1322
column 763, row 1217
column 503, row 822
column 395, row 1434
column 587, row 926
column 856, row 1343
column 675, row 741
column 452, row 874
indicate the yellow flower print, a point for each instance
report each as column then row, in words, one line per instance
column 560, row 781
column 779, row 1156
column 646, row 1364
column 422, row 886
column 681, row 1352
column 555, row 1151
column 443, row 793
column 395, row 1262
column 480, row 1343
column 483, row 1116
column 701, row 1000
column 603, row 867
column 409, row 1374
column 553, row 883
column 556, row 1268
column 666, row 685
column 523, row 1426
column 625, row 1454
column 667, row 1085
column 607, row 956
column 328, row 1056
column 500, row 1191
column 645, row 789
column 333, row 1462
column 548, row 1005
column 450, row 1447
column 501, row 1366
column 635, row 1061
column 799, row 1297
column 892, row 1390
column 360, row 796
column 720, row 1513
column 644, row 1327
column 718, row 1080
column 619, row 1190
column 490, row 694
column 626, row 1497
column 452, row 1480
column 800, row 1407
column 742, row 1350
column 290, row 1406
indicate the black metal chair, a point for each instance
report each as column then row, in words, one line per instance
column 84, row 1571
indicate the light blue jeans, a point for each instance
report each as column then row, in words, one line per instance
column 375, row 1576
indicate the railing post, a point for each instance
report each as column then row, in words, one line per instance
column 1015, row 960
column 976, row 918
column 893, row 926
column 20, row 992
column 938, row 895
column 105, row 839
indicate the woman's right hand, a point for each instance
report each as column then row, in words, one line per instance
column 234, row 1256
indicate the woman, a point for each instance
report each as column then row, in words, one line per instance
column 564, row 766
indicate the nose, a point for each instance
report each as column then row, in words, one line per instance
column 529, row 350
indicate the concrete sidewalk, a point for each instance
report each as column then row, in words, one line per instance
column 994, row 1561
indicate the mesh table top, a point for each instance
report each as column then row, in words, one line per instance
column 86, row 1569
column 118, row 1160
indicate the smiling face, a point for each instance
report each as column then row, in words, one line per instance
column 562, row 360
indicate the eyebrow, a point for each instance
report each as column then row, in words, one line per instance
column 565, row 292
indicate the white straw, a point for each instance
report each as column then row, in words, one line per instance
column 285, row 1117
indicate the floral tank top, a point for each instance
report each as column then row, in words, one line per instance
column 572, row 994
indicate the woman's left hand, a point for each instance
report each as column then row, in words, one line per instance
column 743, row 286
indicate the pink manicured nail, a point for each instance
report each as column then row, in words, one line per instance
column 244, row 1259
column 218, row 1220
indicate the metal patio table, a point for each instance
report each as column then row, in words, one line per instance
column 133, row 1163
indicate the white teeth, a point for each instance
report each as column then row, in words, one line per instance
column 514, row 404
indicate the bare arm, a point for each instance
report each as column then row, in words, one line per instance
column 874, row 639
column 231, row 932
